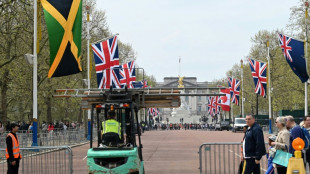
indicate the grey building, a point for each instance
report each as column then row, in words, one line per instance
column 195, row 105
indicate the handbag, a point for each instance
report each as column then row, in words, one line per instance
column 282, row 158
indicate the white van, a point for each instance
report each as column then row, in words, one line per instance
column 239, row 123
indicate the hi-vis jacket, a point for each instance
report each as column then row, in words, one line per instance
column 15, row 147
column 111, row 126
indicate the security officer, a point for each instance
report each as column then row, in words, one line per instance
column 12, row 151
column 111, row 126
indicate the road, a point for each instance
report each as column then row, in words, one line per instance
column 167, row 152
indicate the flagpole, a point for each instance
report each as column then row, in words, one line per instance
column 269, row 88
column 35, row 77
column 105, row 38
column 179, row 66
column 306, row 55
column 88, row 72
column 256, row 106
column 242, row 107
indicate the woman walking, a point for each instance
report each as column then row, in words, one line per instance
column 282, row 141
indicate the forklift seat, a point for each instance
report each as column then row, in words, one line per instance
column 111, row 139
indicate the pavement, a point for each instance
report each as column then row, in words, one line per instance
column 167, row 152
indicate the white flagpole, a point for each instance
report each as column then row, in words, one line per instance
column 306, row 55
column 269, row 89
column 242, row 107
column 179, row 66
column 88, row 72
column 35, row 79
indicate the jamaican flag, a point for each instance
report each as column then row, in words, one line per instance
column 64, row 24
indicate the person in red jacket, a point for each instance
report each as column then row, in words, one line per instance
column 12, row 150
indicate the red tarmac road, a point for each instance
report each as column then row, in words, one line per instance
column 167, row 152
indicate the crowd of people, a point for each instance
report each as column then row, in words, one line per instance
column 179, row 126
column 253, row 145
column 27, row 127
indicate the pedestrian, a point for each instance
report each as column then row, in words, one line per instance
column 270, row 155
column 307, row 127
column 253, row 147
column 282, row 141
column 12, row 150
column 44, row 127
column 241, row 150
column 295, row 131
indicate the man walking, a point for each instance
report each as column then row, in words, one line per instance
column 12, row 150
column 295, row 131
column 253, row 147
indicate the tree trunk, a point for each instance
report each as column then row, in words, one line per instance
column 79, row 120
column 4, row 89
column 48, row 102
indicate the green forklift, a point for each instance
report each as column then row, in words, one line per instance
column 124, row 156
column 115, row 156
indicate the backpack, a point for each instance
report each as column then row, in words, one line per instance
column 306, row 138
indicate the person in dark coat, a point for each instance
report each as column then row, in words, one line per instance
column 12, row 150
column 253, row 147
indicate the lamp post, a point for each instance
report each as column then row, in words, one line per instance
column 35, row 86
column 88, row 72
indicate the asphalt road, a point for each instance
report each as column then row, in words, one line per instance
column 167, row 152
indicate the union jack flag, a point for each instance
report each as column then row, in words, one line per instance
column 141, row 84
column 153, row 111
column 294, row 54
column 217, row 104
column 107, row 63
column 211, row 106
column 259, row 76
column 127, row 74
column 234, row 87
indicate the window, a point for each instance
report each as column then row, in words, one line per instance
column 186, row 99
column 199, row 108
column 199, row 98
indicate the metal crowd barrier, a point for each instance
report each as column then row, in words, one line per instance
column 223, row 158
column 42, row 160
column 53, row 138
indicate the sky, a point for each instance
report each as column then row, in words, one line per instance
column 210, row 36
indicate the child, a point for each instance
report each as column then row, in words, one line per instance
column 270, row 154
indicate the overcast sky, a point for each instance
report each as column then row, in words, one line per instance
column 209, row 35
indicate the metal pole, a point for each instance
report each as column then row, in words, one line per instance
column 306, row 55
column 306, row 83
column 256, row 106
column 179, row 66
column 35, row 80
column 269, row 90
column 242, row 107
column 88, row 71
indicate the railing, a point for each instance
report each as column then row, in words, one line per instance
column 42, row 160
column 52, row 138
column 222, row 158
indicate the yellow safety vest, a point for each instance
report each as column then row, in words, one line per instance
column 111, row 126
column 15, row 145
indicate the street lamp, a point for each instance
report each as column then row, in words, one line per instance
column 29, row 58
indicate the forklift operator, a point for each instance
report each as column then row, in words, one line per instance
column 110, row 128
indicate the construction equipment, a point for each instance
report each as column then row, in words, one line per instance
column 124, row 158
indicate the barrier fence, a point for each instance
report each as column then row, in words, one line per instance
column 53, row 138
column 42, row 160
column 222, row 158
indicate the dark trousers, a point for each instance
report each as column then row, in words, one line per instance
column 281, row 170
column 250, row 167
column 13, row 169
